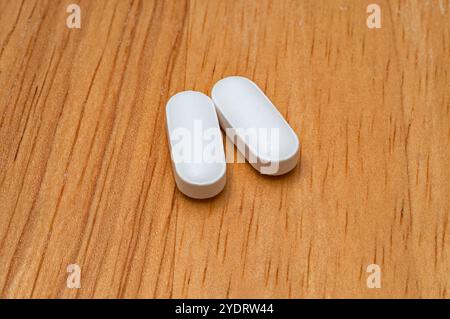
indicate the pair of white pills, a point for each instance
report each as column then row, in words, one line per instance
column 249, row 120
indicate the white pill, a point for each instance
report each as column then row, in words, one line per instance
column 196, row 145
column 254, row 124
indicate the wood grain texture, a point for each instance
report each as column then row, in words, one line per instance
column 85, row 173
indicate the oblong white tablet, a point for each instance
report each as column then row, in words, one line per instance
column 254, row 124
column 196, row 146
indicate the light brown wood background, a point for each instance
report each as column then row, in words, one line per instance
column 85, row 175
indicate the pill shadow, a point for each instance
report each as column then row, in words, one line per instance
column 292, row 176
column 295, row 174
column 203, row 201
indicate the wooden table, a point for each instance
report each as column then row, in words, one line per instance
column 85, row 170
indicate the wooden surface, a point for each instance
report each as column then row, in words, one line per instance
column 85, row 171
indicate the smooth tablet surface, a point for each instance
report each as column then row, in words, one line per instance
column 244, row 109
column 196, row 145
